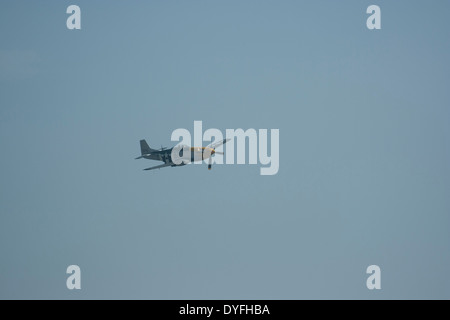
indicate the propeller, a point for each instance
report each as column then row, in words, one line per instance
column 210, row 157
column 213, row 146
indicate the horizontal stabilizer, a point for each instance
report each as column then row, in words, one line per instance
column 160, row 166
column 143, row 156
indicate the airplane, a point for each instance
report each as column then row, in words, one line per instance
column 165, row 155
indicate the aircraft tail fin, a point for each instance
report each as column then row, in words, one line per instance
column 145, row 149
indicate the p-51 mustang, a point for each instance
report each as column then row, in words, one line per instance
column 186, row 154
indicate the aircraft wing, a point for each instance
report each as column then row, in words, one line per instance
column 160, row 166
column 217, row 144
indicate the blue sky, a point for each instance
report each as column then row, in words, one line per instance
column 364, row 150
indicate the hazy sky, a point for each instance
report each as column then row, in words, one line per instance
column 364, row 172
